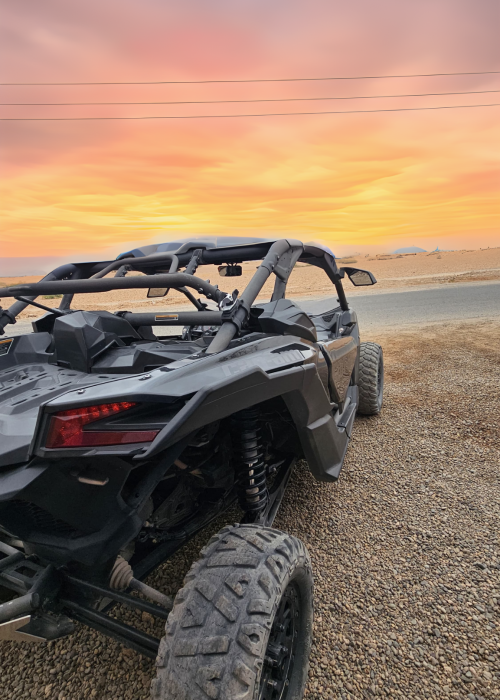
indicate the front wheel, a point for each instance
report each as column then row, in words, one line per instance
column 371, row 379
column 241, row 625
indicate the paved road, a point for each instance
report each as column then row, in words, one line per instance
column 416, row 306
column 449, row 303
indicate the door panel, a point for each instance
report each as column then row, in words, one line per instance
column 341, row 354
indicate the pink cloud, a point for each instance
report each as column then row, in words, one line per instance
column 303, row 165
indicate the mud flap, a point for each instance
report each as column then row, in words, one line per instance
column 323, row 440
column 325, row 445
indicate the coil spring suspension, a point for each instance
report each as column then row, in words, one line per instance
column 250, row 467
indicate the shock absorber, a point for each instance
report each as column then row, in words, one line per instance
column 250, row 467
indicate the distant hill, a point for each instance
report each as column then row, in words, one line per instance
column 410, row 249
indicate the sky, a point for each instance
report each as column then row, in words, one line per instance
column 74, row 190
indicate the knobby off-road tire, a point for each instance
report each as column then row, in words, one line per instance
column 250, row 592
column 371, row 379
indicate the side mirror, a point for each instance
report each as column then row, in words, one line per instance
column 230, row 270
column 154, row 292
column 359, row 278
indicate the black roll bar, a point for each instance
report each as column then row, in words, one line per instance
column 140, row 262
column 239, row 312
column 278, row 257
column 91, row 286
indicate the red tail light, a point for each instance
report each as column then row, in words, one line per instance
column 66, row 428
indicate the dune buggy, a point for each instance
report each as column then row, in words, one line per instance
column 119, row 444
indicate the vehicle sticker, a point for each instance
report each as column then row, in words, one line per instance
column 167, row 317
column 5, row 346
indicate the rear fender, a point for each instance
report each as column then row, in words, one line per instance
column 323, row 440
column 229, row 396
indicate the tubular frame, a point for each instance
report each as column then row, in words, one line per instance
column 278, row 257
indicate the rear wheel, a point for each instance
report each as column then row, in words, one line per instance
column 241, row 625
column 371, row 379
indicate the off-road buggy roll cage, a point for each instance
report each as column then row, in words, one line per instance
column 323, row 413
column 278, row 257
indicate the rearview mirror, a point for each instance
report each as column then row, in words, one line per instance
column 157, row 292
column 359, row 278
column 230, row 270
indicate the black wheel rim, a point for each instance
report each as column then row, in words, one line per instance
column 281, row 648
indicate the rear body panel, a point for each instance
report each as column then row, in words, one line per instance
column 27, row 382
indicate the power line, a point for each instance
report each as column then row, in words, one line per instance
column 230, row 116
column 211, row 102
column 264, row 80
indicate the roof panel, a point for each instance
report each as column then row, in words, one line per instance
column 195, row 242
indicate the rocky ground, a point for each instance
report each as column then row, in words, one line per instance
column 405, row 548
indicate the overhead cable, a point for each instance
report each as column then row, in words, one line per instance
column 213, row 102
column 231, row 116
column 262, row 80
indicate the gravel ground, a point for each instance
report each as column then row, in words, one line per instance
column 405, row 548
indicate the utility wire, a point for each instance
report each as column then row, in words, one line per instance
column 212, row 102
column 230, row 116
column 267, row 80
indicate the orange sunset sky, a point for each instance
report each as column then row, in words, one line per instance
column 376, row 181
